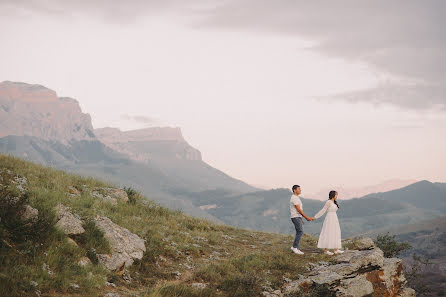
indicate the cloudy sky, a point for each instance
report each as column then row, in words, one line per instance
column 339, row 93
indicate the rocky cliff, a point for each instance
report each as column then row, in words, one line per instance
column 34, row 110
column 150, row 143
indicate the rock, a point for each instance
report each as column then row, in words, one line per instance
column 355, row 273
column 108, row 284
column 84, row 261
column 361, row 243
column 199, row 285
column 72, row 242
column 407, row 292
column 74, row 286
column 276, row 293
column 125, row 245
column 46, row 267
column 357, row 286
column 29, row 213
column 67, row 222
column 112, row 294
column 73, row 191
column 110, row 195
column 36, row 110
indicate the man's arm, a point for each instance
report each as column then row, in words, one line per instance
column 303, row 214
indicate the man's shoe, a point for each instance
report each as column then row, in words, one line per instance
column 329, row 253
column 297, row 251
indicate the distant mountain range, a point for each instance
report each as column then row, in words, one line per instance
column 356, row 192
column 39, row 126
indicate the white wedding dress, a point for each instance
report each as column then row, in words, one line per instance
column 330, row 237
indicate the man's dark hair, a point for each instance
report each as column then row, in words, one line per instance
column 295, row 187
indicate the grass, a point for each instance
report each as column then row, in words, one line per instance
column 181, row 250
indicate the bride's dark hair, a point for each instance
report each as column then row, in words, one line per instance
column 331, row 195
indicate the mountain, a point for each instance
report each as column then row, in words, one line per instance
column 269, row 210
column 34, row 110
column 67, row 235
column 423, row 194
column 348, row 193
column 39, row 126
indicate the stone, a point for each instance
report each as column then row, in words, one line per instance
column 29, row 213
column 46, row 267
column 112, row 294
column 84, row 261
column 355, row 273
column 362, row 259
column 199, row 285
column 72, row 242
column 357, row 286
column 125, row 246
column 67, row 222
column 74, row 286
column 361, row 243
column 407, row 292
column 73, row 191
column 110, row 195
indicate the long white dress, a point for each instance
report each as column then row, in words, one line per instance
column 330, row 237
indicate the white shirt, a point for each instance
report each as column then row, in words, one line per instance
column 295, row 200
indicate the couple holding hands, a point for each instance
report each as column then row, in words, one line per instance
column 330, row 236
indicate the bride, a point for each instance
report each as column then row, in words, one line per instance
column 330, row 237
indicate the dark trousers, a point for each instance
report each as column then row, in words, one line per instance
column 299, row 226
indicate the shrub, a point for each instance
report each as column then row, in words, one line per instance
column 390, row 246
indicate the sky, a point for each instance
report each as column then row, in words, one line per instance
column 322, row 94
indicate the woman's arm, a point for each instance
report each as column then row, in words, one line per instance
column 323, row 210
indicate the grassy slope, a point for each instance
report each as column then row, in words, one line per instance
column 180, row 249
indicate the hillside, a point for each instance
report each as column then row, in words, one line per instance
column 66, row 235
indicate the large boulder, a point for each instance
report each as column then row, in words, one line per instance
column 67, row 222
column 125, row 246
column 355, row 273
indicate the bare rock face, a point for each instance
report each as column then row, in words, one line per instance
column 356, row 273
column 148, row 144
column 34, row 110
column 125, row 245
column 67, row 222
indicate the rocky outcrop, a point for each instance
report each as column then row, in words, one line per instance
column 34, row 110
column 148, row 144
column 111, row 195
column 125, row 246
column 25, row 211
column 67, row 222
column 356, row 273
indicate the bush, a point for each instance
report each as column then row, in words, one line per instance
column 133, row 195
column 390, row 246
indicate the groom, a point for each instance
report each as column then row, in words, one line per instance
column 297, row 215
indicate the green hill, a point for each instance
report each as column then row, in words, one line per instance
column 38, row 258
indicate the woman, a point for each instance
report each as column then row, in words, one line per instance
column 330, row 237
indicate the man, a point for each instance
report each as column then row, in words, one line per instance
column 297, row 215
